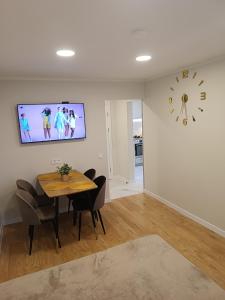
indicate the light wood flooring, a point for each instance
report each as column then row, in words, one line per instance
column 125, row 219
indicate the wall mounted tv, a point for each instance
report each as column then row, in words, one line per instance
column 51, row 122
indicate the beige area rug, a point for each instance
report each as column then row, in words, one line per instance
column 147, row 269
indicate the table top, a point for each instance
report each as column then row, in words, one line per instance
column 53, row 185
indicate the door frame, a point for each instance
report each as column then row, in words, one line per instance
column 109, row 138
column 109, row 135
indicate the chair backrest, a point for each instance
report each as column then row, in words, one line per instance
column 27, row 207
column 90, row 173
column 26, row 186
column 98, row 195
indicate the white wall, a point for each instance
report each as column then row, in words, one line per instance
column 26, row 161
column 186, row 165
column 137, row 109
column 122, row 140
column 137, row 114
column 137, row 128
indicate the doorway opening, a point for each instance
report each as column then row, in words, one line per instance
column 124, row 147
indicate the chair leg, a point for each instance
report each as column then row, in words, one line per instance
column 29, row 230
column 94, row 225
column 93, row 218
column 74, row 217
column 31, row 234
column 56, row 233
column 96, row 216
column 80, row 220
column 69, row 204
column 100, row 217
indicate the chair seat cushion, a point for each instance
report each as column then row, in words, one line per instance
column 43, row 200
column 82, row 201
column 75, row 196
column 46, row 213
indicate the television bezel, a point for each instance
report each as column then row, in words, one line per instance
column 56, row 140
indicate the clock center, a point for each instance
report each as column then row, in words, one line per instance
column 184, row 98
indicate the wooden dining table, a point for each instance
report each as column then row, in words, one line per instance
column 54, row 187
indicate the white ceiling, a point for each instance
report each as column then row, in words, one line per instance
column 178, row 33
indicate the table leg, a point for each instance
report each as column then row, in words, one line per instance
column 57, row 220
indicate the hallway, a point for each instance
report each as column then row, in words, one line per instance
column 119, row 188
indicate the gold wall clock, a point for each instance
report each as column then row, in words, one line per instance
column 179, row 102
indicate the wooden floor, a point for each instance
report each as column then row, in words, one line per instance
column 125, row 219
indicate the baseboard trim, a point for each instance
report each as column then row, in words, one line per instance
column 1, row 237
column 186, row 213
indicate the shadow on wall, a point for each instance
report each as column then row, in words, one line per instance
column 9, row 208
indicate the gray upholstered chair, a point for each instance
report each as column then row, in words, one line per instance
column 41, row 200
column 33, row 215
column 90, row 173
column 92, row 201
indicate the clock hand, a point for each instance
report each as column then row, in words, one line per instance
column 185, row 109
column 181, row 111
column 184, row 100
column 186, row 116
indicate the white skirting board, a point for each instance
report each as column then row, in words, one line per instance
column 187, row 214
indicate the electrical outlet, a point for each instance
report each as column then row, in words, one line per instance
column 56, row 161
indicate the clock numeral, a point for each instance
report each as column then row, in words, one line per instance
column 201, row 82
column 195, row 73
column 171, row 109
column 172, row 89
column 185, row 74
column 185, row 121
column 203, row 96
column 177, row 79
column 193, row 118
column 170, row 100
column 201, row 110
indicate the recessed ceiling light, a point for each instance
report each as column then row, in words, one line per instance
column 65, row 52
column 143, row 58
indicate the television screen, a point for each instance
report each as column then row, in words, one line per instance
column 51, row 122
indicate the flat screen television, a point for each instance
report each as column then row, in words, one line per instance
column 51, row 122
